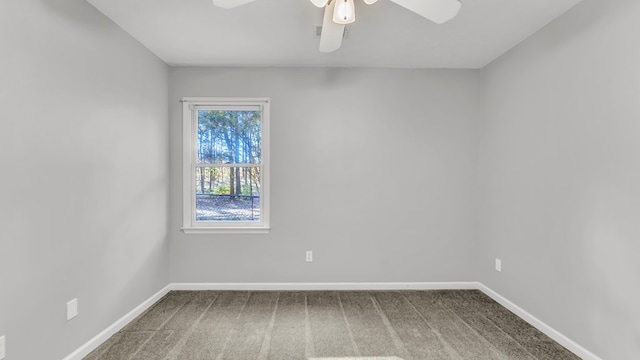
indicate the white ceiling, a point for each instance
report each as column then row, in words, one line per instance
column 281, row 32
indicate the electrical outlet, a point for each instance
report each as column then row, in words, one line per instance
column 72, row 309
column 309, row 256
column 3, row 347
column 498, row 265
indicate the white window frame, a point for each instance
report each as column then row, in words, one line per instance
column 190, row 106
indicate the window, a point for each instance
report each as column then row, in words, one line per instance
column 226, row 165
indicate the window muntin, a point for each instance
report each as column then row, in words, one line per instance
column 226, row 165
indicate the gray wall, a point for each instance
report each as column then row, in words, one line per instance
column 373, row 170
column 560, row 178
column 83, row 155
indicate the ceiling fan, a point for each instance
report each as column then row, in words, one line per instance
column 339, row 13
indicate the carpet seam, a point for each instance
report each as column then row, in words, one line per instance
column 346, row 321
column 154, row 332
column 397, row 342
column 226, row 341
column 178, row 347
column 266, row 342
column 448, row 348
column 309, row 349
column 485, row 340
column 509, row 336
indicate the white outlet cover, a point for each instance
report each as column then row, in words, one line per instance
column 309, row 256
column 498, row 265
column 2, row 347
column 72, row 309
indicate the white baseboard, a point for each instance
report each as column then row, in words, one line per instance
column 92, row 344
column 540, row 325
column 327, row 286
column 537, row 323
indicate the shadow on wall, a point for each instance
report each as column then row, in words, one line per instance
column 79, row 12
column 611, row 243
column 588, row 18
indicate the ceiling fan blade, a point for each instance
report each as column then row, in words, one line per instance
column 320, row 3
column 331, row 36
column 438, row 11
column 229, row 4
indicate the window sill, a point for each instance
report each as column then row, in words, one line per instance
column 229, row 230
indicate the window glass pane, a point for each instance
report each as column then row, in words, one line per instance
column 229, row 137
column 227, row 193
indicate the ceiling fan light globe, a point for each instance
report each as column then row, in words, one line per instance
column 369, row 2
column 320, row 3
column 344, row 12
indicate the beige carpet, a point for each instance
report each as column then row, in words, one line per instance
column 324, row 325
